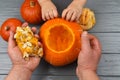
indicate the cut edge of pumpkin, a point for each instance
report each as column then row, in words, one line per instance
column 48, row 33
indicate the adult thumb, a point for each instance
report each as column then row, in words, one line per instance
column 11, row 41
column 85, row 41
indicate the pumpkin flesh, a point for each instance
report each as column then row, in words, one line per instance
column 59, row 38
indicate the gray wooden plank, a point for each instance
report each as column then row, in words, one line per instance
column 39, row 77
column 99, row 6
column 107, row 23
column 104, row 6
column 108, row 66
column 110, row 42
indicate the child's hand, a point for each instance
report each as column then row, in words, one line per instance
column 73, row 11
column 89, row 56
column 49, row 10
column 16, row 55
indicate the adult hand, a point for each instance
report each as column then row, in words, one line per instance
column 16, row 55
column 90, row 53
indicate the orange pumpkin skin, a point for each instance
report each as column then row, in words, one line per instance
column 63, row 57
column 31, row 11
column 9, row 25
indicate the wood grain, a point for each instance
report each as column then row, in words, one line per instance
column 108, row 66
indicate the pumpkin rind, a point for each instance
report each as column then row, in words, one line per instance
column 61, row 58
column 31, row 11
column 9, row 25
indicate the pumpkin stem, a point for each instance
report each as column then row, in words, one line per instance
column 7, row 28
column 32, row 3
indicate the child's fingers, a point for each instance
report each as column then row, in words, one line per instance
column 73, row 17
column 43, row 16
column 69, row 14
column 77, row 18
column 64, row 13
column 55, row 12
column 47, row 17
column 51, row 14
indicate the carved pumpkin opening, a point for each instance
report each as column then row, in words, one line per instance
column 60, row 38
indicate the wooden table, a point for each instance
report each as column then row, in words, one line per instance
column 107, row 30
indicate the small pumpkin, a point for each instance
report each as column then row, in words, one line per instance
column 31, row 11
column 9, row 25
column 61, row 41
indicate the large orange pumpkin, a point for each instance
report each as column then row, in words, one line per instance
column 31, row 11
column 9, row 25
column 61, row 41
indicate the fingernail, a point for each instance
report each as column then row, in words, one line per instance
column 84, row 33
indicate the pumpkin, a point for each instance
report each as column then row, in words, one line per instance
column 87, row 19
column 61, row 41
column 27, row 42
column 9, row 25
column 31, row 11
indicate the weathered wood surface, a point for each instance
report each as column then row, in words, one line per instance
column 107, row 30
column 109, row 66
column 63, row 78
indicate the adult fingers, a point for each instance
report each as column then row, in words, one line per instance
column 24, row 24
column 95, row 43
column 34, row 30
column 85, row 41
column 11, row 41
